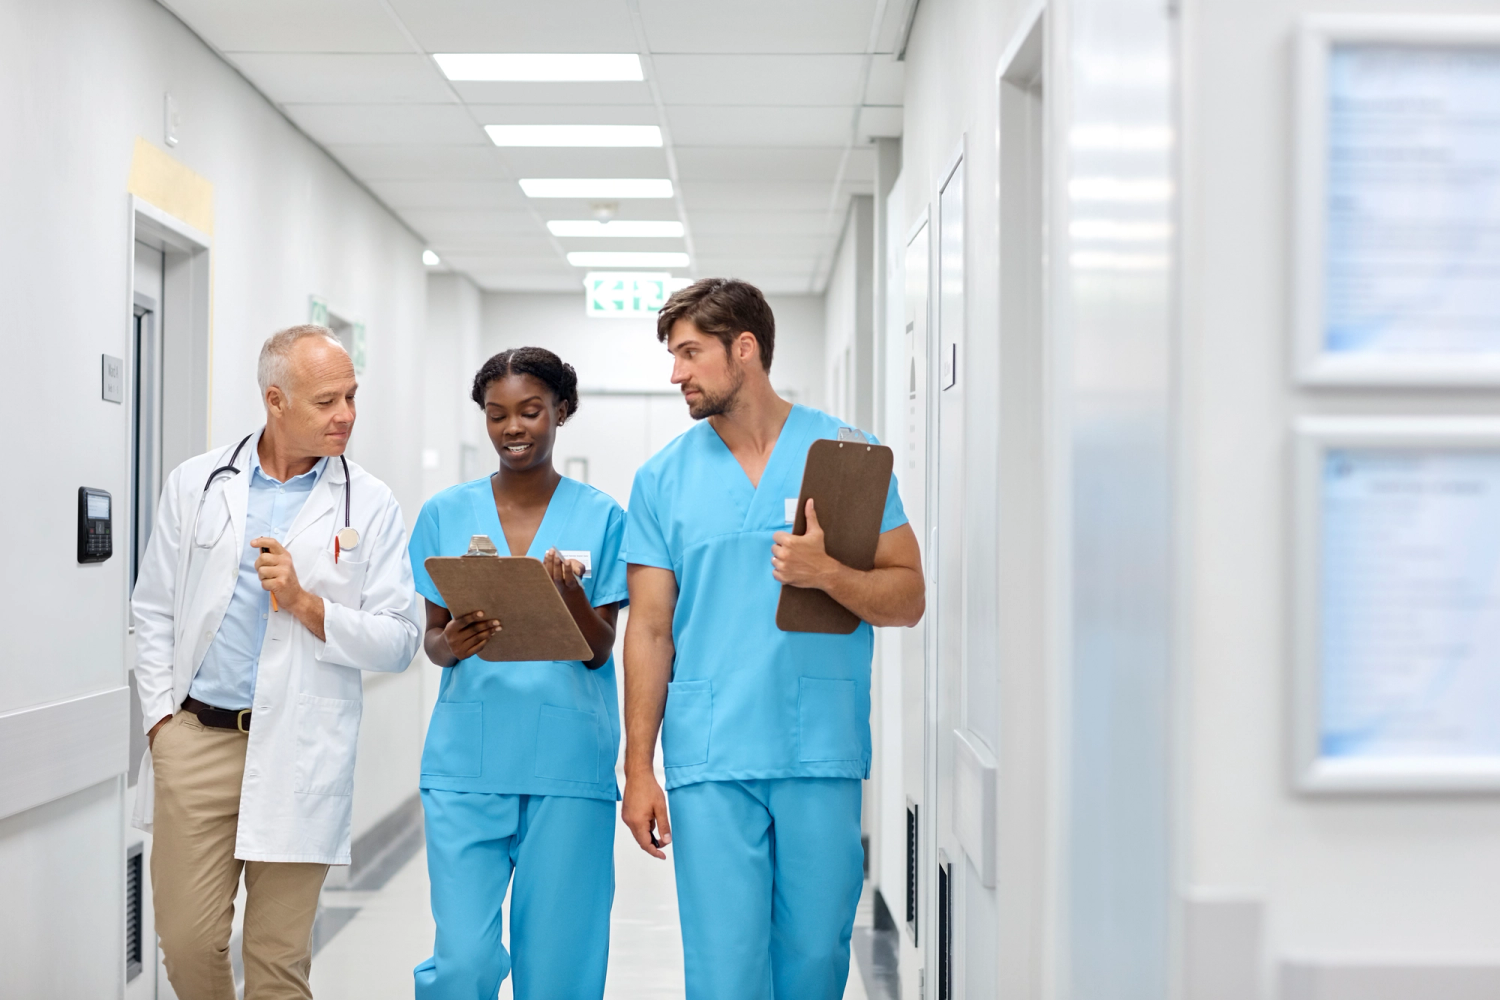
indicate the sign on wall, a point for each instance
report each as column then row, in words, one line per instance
column 627, row 294
column 1398, row 604
column 1398, row 211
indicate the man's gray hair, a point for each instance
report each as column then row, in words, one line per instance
column 272, row 369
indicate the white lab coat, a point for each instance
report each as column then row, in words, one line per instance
column 299, row 764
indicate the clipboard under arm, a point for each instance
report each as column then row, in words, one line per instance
column 848, row 481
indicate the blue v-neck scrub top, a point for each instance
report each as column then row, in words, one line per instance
column 525, row 728
column 747, row 700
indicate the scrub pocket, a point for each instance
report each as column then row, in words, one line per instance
column 827, row 720
column 455, row 740
column 567, row 744
column 327, row 738
column 689, row 717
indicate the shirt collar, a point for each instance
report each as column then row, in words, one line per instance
column 308, row 479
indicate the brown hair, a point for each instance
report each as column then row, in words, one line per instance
column 723, row 308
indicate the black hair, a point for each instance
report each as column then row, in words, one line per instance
column 538, row 362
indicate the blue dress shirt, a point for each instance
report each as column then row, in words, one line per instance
column 226, row 678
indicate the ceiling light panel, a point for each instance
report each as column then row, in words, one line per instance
column 540, row 67
column 610, row 258
column 574, row 135
column 596, row 187
column 626, row 228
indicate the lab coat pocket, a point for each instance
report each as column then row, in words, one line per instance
column 341, row 582
column 455, row 740
column 689, row 718
column 827, row 720
column 327, row 739
column 567, row 744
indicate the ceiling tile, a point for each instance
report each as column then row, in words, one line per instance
column 887, row 83
column 827, row 26
column 760, row 126
column 332, row 78
column 460, row 223
column 496, row 246
column 449, row 194
column 519, row 25
column 359, row 124
column 554, row 93
column 745, row 163
column 718, row 223
column 778, row 196
column 760, row 245
column 412, row 163
column 759, row 79
column 566, row 114
column 293, row 25
column 539, row 161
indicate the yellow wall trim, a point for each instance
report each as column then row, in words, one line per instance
column 171, row 187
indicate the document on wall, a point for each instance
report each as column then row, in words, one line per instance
column 1413, row 200
column 1410, row 599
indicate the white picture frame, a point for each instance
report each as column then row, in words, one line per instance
column 1316, row 769
column 1314, row 362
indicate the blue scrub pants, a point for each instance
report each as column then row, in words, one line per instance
column 562, row 852
column 768, row 878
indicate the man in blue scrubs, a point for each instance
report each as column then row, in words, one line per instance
column 765, row 733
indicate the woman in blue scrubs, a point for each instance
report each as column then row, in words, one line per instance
column 518, row 771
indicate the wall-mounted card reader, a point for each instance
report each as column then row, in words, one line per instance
column 95, row 541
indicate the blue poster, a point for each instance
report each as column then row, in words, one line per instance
column 1410, row 598
column 1413, row 201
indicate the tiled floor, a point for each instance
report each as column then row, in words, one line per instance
column 371, row 957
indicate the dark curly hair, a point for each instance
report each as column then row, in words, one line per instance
column 538, row 362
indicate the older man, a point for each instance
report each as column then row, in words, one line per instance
column 276, row 573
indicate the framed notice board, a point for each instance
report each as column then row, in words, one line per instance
column 1396, row 605
column 1396, row 235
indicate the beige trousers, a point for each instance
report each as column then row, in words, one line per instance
column 195, row 875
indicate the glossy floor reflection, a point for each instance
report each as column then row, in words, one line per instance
column 371, row 956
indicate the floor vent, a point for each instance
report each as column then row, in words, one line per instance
column 134, row 904
column 945, row 928
column 911, row 869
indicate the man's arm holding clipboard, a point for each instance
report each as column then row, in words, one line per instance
column 836, row 545
column 892, row 592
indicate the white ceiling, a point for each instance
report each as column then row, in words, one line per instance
column 767, row 108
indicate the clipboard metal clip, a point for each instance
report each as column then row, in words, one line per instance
column 853, row 434
column 480, row 545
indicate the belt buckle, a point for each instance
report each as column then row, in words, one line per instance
column 239, row 720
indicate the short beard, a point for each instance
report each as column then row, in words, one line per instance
column 711, row 405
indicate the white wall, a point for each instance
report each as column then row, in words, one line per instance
column 1388, row 878
column 849, row 361
column 81, row 79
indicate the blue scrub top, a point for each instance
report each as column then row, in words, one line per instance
column 747, row 700
column 525, row 728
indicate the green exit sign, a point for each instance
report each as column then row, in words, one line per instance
column 627, row 294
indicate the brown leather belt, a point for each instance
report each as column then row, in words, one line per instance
column 219, row 718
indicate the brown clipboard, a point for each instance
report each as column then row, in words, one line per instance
column 847, row 482
column 535, row 624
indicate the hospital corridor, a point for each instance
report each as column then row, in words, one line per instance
column 750, row 500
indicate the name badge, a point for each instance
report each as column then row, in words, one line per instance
column 582, row 555
column 791, row 510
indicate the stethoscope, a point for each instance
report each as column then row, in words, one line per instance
column 345, row 538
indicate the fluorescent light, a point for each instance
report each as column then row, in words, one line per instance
column 540, row 67
column 592, row 227
column 430, row 259
column 574, row 135
column 596, row 187
column 611, row 258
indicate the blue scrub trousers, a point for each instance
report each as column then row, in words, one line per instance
column 562, row 852
column 768, row 879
